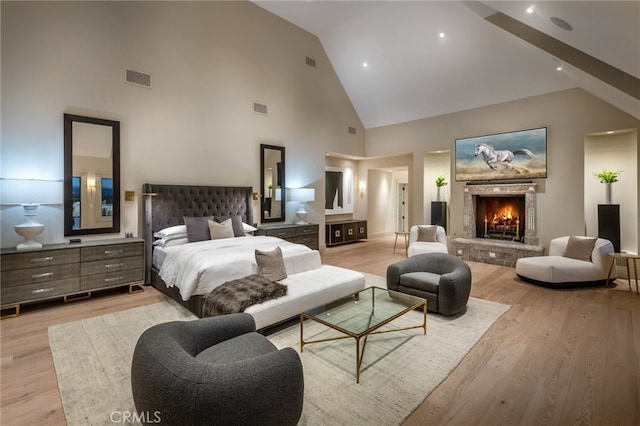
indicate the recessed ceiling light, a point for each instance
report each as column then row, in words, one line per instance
column 610, row 132
column 441, row 35
column 365, row 65
column 530, row 10
column 559, row 68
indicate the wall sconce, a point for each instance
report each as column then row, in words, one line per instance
column 30, row 193
column 91, row 184
column 303, row 195
column 363, row 187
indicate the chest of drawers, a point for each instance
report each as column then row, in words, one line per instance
column 300, row 234
column 69, row 270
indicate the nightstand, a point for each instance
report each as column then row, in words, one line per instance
column 300, row 234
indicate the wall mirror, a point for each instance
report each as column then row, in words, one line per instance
column 91, row 175
column 272, row 183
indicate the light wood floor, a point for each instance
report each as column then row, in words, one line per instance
column 557, row 357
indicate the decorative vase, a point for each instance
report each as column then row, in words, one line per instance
column 438, row 195
column 608, row 187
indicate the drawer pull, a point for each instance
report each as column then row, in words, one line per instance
column 41, row 290
column 46, row 274
column 108, row 280
column 114, row 265
column 108, row 252
column 42, row 259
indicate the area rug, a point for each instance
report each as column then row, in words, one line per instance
column 92, row 358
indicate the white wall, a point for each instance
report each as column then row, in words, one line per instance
column 208, row 61
column 618, row 152
column 436, row 164
column 568, row 115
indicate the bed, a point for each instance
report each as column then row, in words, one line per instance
column 187, row 272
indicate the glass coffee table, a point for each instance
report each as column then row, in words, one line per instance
column 362, row 315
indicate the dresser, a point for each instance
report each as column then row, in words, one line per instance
column 300, row 234
column 345, row 231
column 70, row 271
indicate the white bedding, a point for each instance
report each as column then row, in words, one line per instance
column 197, row 268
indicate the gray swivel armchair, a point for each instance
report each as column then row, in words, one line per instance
column 444, row 280
column 215, row 371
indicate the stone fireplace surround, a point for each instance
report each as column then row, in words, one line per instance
column 496, row 251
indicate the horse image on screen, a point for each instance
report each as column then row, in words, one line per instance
column 504, row 156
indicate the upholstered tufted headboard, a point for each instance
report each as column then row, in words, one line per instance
column 166, row 205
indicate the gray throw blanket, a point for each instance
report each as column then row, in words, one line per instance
column 237, row 295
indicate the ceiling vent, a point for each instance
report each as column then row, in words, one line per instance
column 138, row 78
column 259, row 108
column 311, row 62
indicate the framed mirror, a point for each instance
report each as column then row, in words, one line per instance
column 91, row 175
column 272, row 184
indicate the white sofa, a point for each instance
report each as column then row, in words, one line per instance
column 419, row 247
column 310, row 284
column 559, row 271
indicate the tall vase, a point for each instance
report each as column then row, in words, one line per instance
column 439, row 193
column 608, row 187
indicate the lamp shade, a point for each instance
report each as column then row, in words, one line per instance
column 28, row 191
column 302, row 195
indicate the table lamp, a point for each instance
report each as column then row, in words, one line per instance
column 30, row 193
column 303, row 195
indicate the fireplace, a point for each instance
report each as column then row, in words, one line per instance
column 526, row 206
column 500, row 218
column 499, row 223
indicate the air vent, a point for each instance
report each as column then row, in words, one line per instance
column 259, row 108
column 311, row 62
column 352, row 130
column 138, row 78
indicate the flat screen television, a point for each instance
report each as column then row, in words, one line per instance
column 504, row 156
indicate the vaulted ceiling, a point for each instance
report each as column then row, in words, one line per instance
column 427, row 58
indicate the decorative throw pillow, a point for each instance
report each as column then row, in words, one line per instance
column 580, row 248
column 427, row 233
column 197, row 228
column 271, row 264
column 236, row 222
column 220, row 230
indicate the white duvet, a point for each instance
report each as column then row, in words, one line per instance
column 198, row 268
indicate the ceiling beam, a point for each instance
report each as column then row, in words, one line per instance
column 613, row 76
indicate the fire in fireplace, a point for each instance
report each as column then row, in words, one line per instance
column 500, row 217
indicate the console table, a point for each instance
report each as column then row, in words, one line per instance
column 345, row 231
column 71, row 271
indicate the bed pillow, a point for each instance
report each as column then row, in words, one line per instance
column 178, row 230
column 271, row 264
column 248, row 228
column 580, row 248
column 236, row 222
column 220, row 230
column 198, row 228
column 427, row 233
column 170, row 242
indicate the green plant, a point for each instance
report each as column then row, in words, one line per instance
column 608, row 176
column 440, row 181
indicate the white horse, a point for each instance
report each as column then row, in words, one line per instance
column 492, row 156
